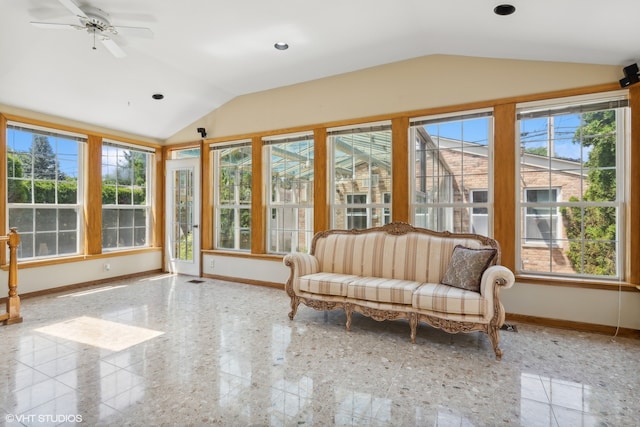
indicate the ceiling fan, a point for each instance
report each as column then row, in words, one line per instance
column 96, row 22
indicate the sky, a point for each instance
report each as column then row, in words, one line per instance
column 476, row 130
column 66, row 149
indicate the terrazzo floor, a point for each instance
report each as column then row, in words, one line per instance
column 160, row 350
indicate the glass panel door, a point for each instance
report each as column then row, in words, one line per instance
column 182, row 216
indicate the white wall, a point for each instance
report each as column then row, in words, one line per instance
column 594, row 306
column 52, row 276
column 245, row 268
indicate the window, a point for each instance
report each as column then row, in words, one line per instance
column 185, row 153
column 541, row 216
column 290, row 186
column 361, row 160
column 126, row 205
column 232, row 196
column 44, row 189
column 480, row 213
column 356, row 217
column 386, row 199
column 571, row 181
column 451, row 160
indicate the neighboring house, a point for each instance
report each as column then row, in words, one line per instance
column 539, row 227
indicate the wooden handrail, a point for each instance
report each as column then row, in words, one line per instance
column 13, row 302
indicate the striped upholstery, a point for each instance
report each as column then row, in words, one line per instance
column 394, row 291
column 326, row 283
column 447, row 299
column 412, row 256
column 301, row 265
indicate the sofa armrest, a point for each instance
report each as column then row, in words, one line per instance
column 494, row 279
column 300, row 264
column 496, row 275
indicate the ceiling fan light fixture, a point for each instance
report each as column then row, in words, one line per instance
column 281, row 46
column 504, row 9
column 97, row 23
column 157, row 96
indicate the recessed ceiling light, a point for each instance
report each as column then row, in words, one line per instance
column 281, row 46
column 157, row 96
column 504, row 9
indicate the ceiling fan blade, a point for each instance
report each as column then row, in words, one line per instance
column 73, row 8
column 141, row 32
column 113, row 47
column 54, row 26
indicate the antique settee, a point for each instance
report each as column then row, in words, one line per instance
column 397, row 271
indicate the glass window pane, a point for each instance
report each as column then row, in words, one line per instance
column 46, row 219
column 46, row 244
column 450, row 171
column 109, row 238
column 25, row 249
column 362, row 176
column 125, row 238
column 125, row 218
column 67, row 242
column 125, row 184
column 140, row 236
column 226, row 228
column 140, row 218
column 22, row 219
column 67, row 219
column 233, row 180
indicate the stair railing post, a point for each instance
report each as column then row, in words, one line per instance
column 13, row 302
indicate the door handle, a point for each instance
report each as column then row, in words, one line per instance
column 195, row 226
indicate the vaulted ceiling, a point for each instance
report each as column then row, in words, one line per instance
column 202, row 53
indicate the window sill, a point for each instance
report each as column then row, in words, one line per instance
column 609, row 285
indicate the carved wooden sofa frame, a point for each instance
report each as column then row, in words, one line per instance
column 498, row 277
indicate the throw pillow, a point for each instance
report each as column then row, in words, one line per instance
column 466, row 267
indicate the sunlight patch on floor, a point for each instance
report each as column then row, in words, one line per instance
column 91, row 291
column 100, row 333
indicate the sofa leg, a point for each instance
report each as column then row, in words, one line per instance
column 348, row 310
column 295, row 301
column 413, row 324
column 494, row 336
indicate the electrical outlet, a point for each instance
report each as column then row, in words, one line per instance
column 106, row 267
column 212, row 263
